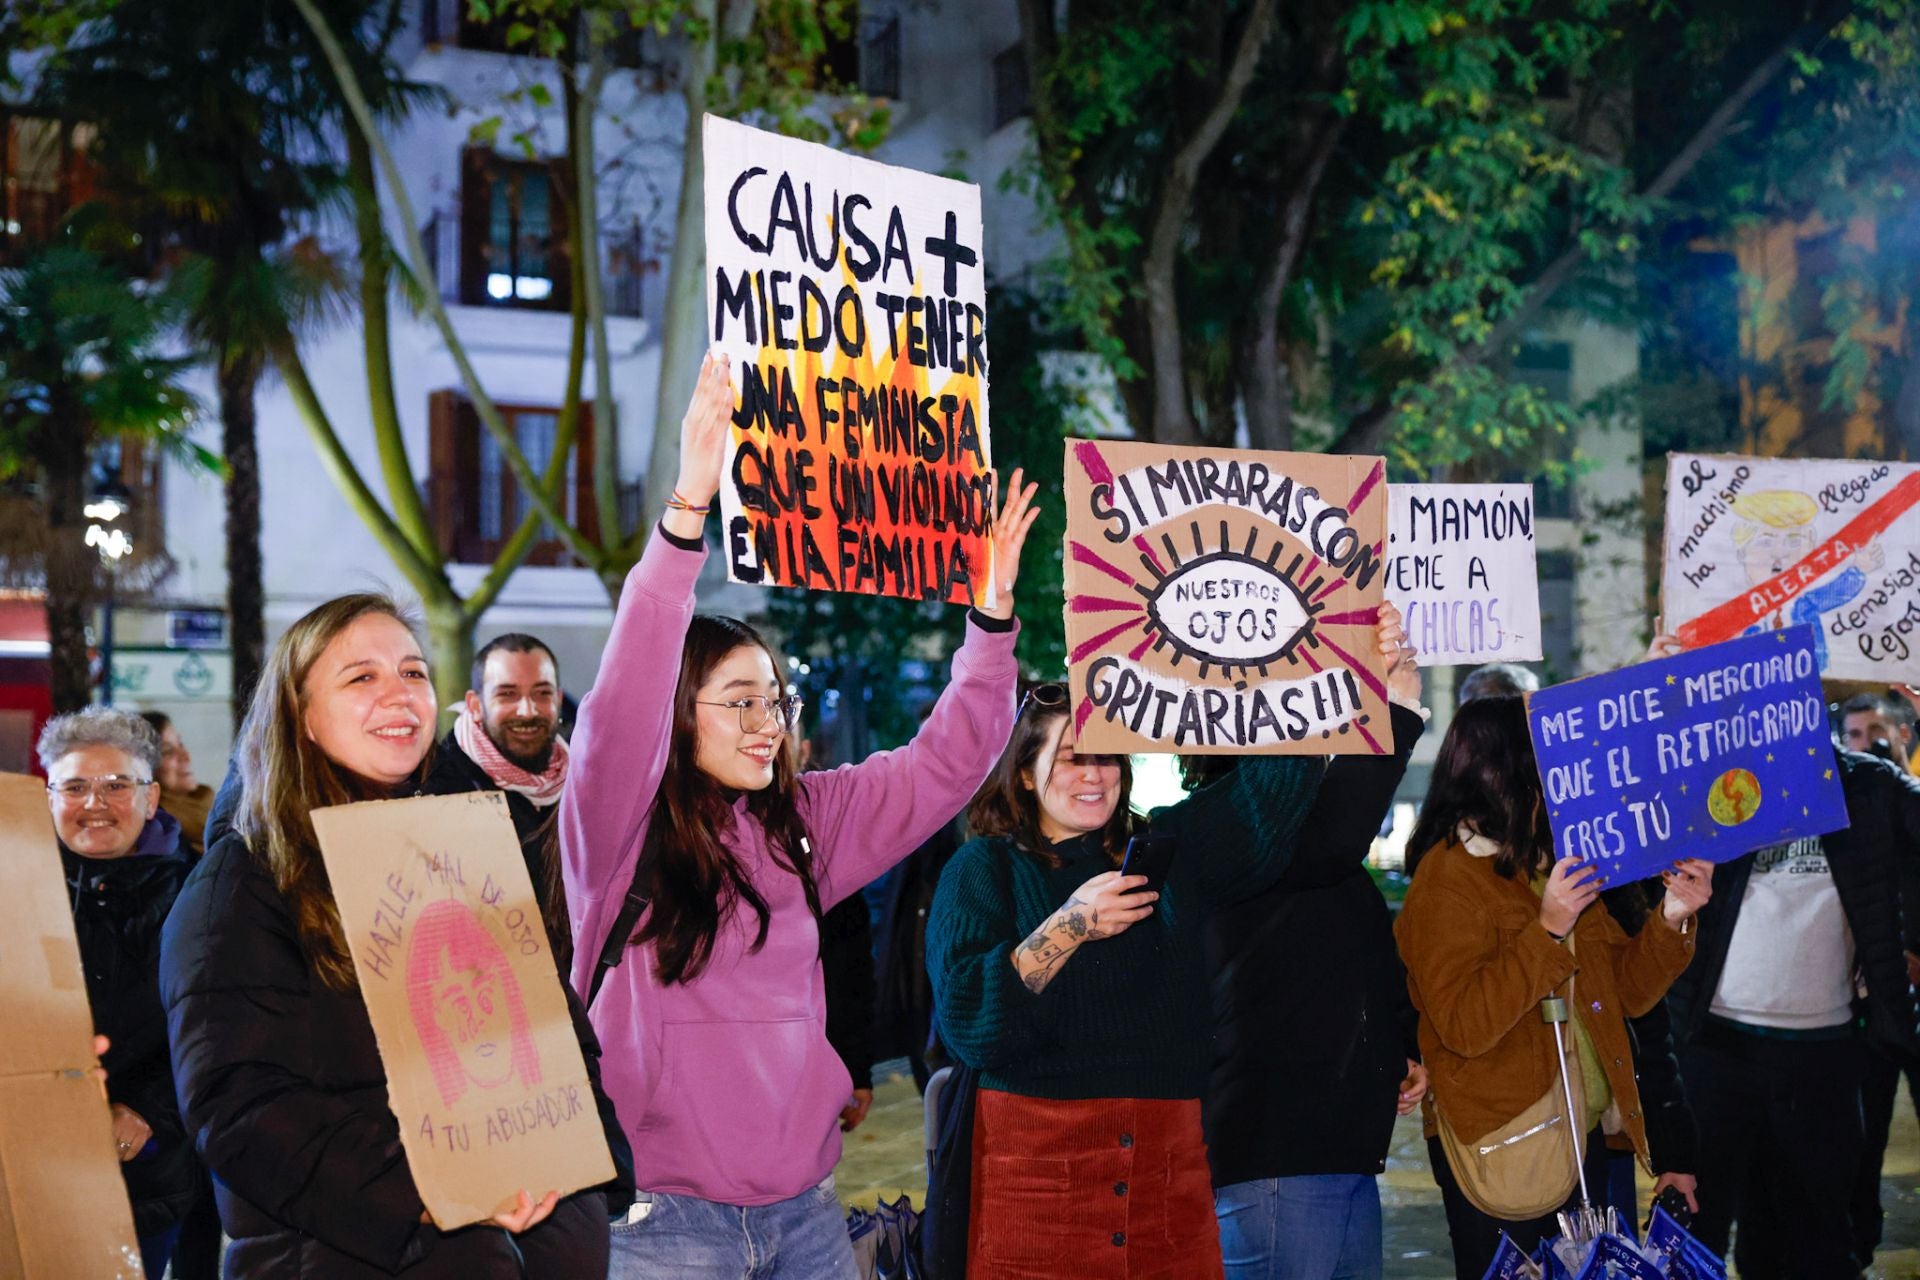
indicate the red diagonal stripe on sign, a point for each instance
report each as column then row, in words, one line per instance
column 1725, row 621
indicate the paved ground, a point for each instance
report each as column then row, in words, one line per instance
column 884, row 1158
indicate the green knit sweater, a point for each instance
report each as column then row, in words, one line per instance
column 1128, row 1016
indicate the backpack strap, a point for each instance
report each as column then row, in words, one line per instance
column 614, row 949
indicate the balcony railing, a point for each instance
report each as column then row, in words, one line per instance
column 622, row 257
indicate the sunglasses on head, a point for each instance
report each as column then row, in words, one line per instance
column 1051, row 696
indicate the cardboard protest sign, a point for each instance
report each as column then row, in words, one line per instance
column 63, row 1203
column 1223, row 600
column 1460, row 568
column 1763, row 543
column 851, row 297
column 1711, row 753
column 483, row 1070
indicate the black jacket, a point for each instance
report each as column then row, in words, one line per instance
column 282, row 1086
column 846, row 960
column 1883, row 812
column 454, row 771
column 119, row 906
column 1673, row 1139
column 1312, row 1025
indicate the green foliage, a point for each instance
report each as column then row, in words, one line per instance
column 79, row 362
column 772, row 75
column 1486, row 156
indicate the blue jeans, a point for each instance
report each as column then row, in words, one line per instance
column 669, row 1237
column 1314, row 1227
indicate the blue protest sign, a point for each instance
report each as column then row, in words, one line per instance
column 1683, row 1257
column 1708, row 754
column 1614, row 1259
column 1510, row 1262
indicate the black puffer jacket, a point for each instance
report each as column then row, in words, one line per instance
column 1883, row 812
column 1312, row 1025
column 281, row 1083
column 119, row 906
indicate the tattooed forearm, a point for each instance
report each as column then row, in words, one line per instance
column 1046, row 949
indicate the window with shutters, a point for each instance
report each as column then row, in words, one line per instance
column 513, row 219
column 44, row 172
column 477, row 502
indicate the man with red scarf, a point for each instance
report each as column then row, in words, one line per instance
column 507, row 739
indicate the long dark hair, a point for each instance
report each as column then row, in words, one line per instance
column 1006, row 805
column 1486, row 778
column 288, row 777
column 695, row 881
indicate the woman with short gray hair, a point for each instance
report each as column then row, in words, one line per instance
column 124, row 868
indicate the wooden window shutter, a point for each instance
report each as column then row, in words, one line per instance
column 442, row 501
column 476, row 218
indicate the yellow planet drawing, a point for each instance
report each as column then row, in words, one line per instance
column 1734, row 797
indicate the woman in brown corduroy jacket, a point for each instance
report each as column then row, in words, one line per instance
column 1493, row 924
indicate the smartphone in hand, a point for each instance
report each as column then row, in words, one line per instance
column 1150, row 856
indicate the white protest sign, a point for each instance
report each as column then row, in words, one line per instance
column 851, row 298
column 1460, row 567
column 1758, row 544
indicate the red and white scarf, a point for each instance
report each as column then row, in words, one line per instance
column 541, row 788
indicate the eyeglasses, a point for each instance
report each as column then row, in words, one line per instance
column 757, row 710
column 114, row 788
column 1051, row 696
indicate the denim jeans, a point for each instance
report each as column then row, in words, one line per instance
column 669, row 1237
column 1314, row 1227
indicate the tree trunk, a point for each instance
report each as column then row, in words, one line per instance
column 684, row 320
column 70, row 562
column 246, row 592
column 449, row 652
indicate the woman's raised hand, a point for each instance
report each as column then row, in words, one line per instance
column 1570, row 890
column 1017, row 514
column 1403, row 660
column 1689, row 885
column 703, row 443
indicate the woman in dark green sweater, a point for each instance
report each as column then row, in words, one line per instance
column 1082, row 1000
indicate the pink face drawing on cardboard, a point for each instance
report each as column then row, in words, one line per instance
column 466, row 1005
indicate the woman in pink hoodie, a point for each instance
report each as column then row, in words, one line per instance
column 713, row 1018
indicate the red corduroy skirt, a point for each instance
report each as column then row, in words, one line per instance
column 1100, row 1189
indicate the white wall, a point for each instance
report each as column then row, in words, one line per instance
column 315, row 547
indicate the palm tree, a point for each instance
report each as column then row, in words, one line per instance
column 212, row 131
column 77, row 367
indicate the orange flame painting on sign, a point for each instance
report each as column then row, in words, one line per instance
column 851, row 298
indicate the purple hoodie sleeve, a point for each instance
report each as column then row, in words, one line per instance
column 865, row 817
column 620, row 743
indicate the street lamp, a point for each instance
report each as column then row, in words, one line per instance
column 108, row 502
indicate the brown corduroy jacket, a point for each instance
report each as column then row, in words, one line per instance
column 1479, row 964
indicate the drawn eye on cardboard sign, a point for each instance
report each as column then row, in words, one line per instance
column 1224, row 600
